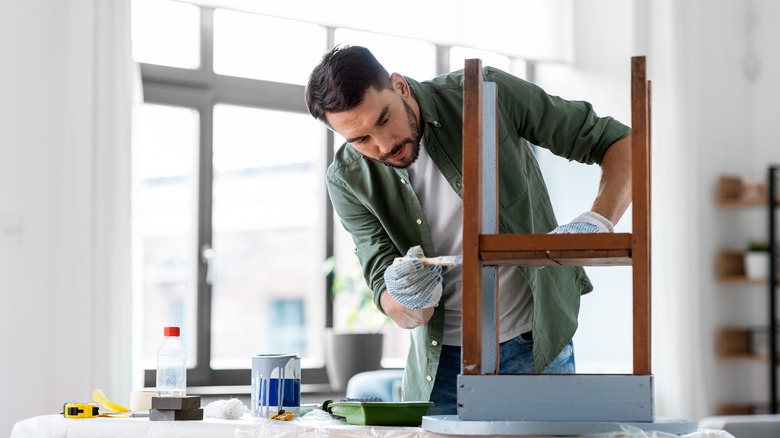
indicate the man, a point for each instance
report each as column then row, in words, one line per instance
column 396, row 186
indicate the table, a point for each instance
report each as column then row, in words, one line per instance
column 753, row 426
column 56, row 426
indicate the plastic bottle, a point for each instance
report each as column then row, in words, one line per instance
column 171, row 365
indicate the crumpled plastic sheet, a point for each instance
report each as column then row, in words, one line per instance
column 634, row 432
column 320, row 424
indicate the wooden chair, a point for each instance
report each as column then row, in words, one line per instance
column 492, row 403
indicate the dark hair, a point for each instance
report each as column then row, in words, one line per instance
column 341, row 79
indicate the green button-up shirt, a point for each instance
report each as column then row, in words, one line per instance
column 378, row 207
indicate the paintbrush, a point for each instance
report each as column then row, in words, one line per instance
column 452, row 260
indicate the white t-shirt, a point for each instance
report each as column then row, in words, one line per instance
column 443, row 210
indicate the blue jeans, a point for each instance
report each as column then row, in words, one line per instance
column 516, row 358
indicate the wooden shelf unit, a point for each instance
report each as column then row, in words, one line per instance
column 741, row 343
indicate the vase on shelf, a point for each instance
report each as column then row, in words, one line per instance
column 757, row 264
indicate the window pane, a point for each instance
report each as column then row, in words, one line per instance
column 166, row 33
column 413, row 58
column 259, row 47
column 268, row 290
column 166, row 202
column 458, row 56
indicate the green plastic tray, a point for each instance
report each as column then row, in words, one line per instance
column 381, row 413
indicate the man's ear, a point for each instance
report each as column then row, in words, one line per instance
column 399, row 84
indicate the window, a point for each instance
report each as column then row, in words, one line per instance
column 230, row 205
column 232, row 225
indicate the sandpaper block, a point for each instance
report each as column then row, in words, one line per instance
column 176, row 403
column 175, row 414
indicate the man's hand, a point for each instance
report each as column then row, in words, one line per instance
column 405, row 318
column 412, row 284
column 588, row 222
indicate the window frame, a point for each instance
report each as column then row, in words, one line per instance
column 201, row 89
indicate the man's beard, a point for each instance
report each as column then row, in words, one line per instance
column 413, row 140
column 397, row 148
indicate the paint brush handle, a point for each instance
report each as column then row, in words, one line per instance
column 453, row 260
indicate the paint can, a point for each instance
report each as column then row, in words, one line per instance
column 276, row 384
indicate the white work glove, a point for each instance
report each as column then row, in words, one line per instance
column 588, row 222
column 413, row 284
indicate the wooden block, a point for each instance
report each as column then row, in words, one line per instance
column 175, row 414
column 176, row 403
column 556, row 397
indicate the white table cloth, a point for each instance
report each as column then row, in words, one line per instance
column 57, row 426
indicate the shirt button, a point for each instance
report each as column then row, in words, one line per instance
column 429, row 378
column 434, row 343
column 419, row 221
column 403, row 181
column 457, row 184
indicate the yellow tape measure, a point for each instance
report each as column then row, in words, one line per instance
column 91, row 410
column 80, row 410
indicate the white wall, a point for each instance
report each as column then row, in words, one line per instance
column 62, row 144
column 733, row 119
column 44, row 183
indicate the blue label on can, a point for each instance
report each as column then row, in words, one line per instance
column 291, row 393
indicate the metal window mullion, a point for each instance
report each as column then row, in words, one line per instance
column 330, row 223
column 226, row 89
column 207, row 40
column 530, row 71
column 260, row 94
column 442, row 59
column 330, row 220
column 202, row 373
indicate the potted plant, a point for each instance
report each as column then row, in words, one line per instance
column 355, row 342
column 757, row 260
